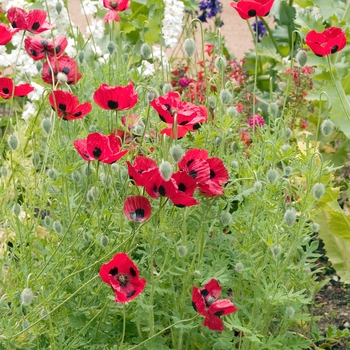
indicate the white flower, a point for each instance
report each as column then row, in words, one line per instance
column 37, row 93
column 146, row 69
column 89, row 7
column 96, row 28
column 29, row 110
column 172, row 22
column 160, row 56
column 71, row 49
column 14, row 3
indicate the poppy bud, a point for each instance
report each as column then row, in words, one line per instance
column 166, row 170
column 111, row 47
column 58, row 7
column 35, row 158
column 27, row 296
column 239, row 267
column 46, row 125
column 62, row 77
column 290, row 312
column 13, row 142
column 104, row 241
column 285, row 148
column 318, row 190
column 258, row 186
column 124, row 174
column 189, row 47
column 16, row 209
column 327, row 127
column 3, row 171
column 76, row 177
column 288, row 170
column 272, row 176
column 39, row 66
column 290, row 217
column 225, row 96
column 287, row 133
column 220, row 62
column 218, row 140
column 167, row 88
column 52, row 174
column 315, row 227
column 86, row 170
column 276, row 250
column 196, row 272
column 211, row 101
column 182, row 251
column 232, row 111
column 150, row 95
column 93, row 194
column 145, row 51
column 301, row 58
column 81, row 57
column 235, row 165
column 43, row 313
column 176, row 152
column 115, row 167
column 106, row 180
column 225, row 218
column 47, row 221
column 57, row 227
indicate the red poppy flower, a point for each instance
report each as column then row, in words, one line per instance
column 252, row 8
column 123, row 276
column 116, row 97
column 6, row 33
column 194, row 163
column 67, row 105
column 37, row 48
column 184, row 182
column 64, row 68
column 104, row 148
column 7, row 88
column 157, row 187
column 218, row 171
column 204, row 301
column 210, row 188
column 137, row 208
column 114, row 7
column 140, row 171
column 182, row 200
column 34, row 20
column 331, row 40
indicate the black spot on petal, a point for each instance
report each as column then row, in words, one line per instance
column 66, row 70
column 58, row 49
column 140, row 213
column 35, row 26
column 5, row 90
column 97, row 152
column 251, row 13
column 14, row 24
column 132, row 272
column 193, row 173
column 205, row 292
column 44, row 43
column 162, row 191
column 62, row 107
column 78, row 114
column 212, row 173
column 113, row 271
column 112, row 104
column 334, row 49
column 219, row 313
column 194, row 306
column 181, row 187
column 130, row 294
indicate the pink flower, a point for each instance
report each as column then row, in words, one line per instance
column 256, row 120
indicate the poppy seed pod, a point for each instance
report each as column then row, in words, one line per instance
column 189, row 47
column 46, row 125
column 327, row 127
column 272, row 176
column 13, row 142
column 167, row 88
column 318, row 190
column 290, row 217
column 176, row 152
column 27, row 296
column 145, row 51
column 166, row 170
column 225, row 96
column 301, row 58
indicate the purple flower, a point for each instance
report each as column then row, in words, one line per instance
column 259, row 28
column 210, row 9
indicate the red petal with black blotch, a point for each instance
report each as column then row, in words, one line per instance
column 191, row 155
column 114, row 146
column 123, row 276
column 17, row 18
column 180, row 132
column 23, row 90
column 218, row 172
column 140, row 171
column 222, row 307
column 6, row 34
column 182, row 200
column 157, row 187
column 198, row 302
column 199, row 170
column 190, row 113
column 98, row 146
column 166, row 106
column 137, row 208
column 330, row 41
column 81, row 147
column 37, row 48
column 210, row 188
column 116, row 5
column 6, row 87
column 184, row 183
column 214, row 323
column 211, row 291
column 116, row 97
column 250, row 8
column 36, row 21
column 63, row 64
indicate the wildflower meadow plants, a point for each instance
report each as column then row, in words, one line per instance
column 170, row 210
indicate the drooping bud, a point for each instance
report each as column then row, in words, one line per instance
column 232, row 111
column 327, row 127
column 315, row 227
column 145, row 51
column 111, row 47
column 39, row 66
column 46, row 125
column 276, row 250
column 287, row 133
column 81, row 56
column 13, row 142
column 239, row 267
column 16, row 209
column 58, row 7
column 220, row 62
column 212, row 101
column 115, row 167
column 62, row 77
column 225, row 96
column 189, row 47
column 258, row 186
column 290, row 312
column 235, row 165
column 87, row 170
column 76, row 177
column 290, row 217
column 57, row 227
column 272, row 176
column 176, row 153
column 167, row 88
column 150, row 95
column 318, row 190
column 288, row 170
column 27, row 296
column 35, row 158
column 52, row 174
column 104, row 241
column 182, row 251
column 225, row 218
column 166, row 170
column 301, row 58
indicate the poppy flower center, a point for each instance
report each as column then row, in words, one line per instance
column 138, row 214
column 212, row 173
column 14, row 25
column 44, row 43
column 112, row 104
column 334, row 49
column 182, row 187
column 62, row 107
column 5, row 90
column 114, row 4
column 193, row 173
column 35, row 26
column 251, row 13
column 66, row 70
column 123, row 279
column 97, row 152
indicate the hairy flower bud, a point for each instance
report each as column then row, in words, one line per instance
column 16, row 209
column 276, row 250
column 176, row 153
column 315, row 227
column 145, row 51
column 218, row 141
column 62, row 77
column 225, row 218
column 189, row 47
column 235, row 165
column 318, row 190
column 81, row 56
column 76, row 177
column 39, row 66
column 166, row 170
column 272, row 176
column 211, row 101
column 27, row 296
column 93, row 194
column 13, row 142
column 225, row 96
column 3, row 171
column 111, row 47
column 239, row 267
column 46, row 125
column 47, row 220
column 35, row 158
column 290, row 217
column 52, row 174
column 327, row 127
column 182, row 251
column 220, row 62
column 232, row 111
column 43, row 313
column 167, row 88
column 58, row 7
column 115, row 167
column 301, row 58
column 87, row 170
column 57, row 227
column 290, row 312
column 288, row 170
column 150, row 95
column 104, row 241
column 258, row 186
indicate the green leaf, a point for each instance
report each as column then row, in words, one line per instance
column 284, row 13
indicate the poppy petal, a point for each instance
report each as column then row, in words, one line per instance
column 137, row 208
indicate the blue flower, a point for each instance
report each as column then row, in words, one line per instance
column 210, row 9
column 259, row 28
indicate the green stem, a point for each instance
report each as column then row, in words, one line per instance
column 271, row 35
column 124, row 326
